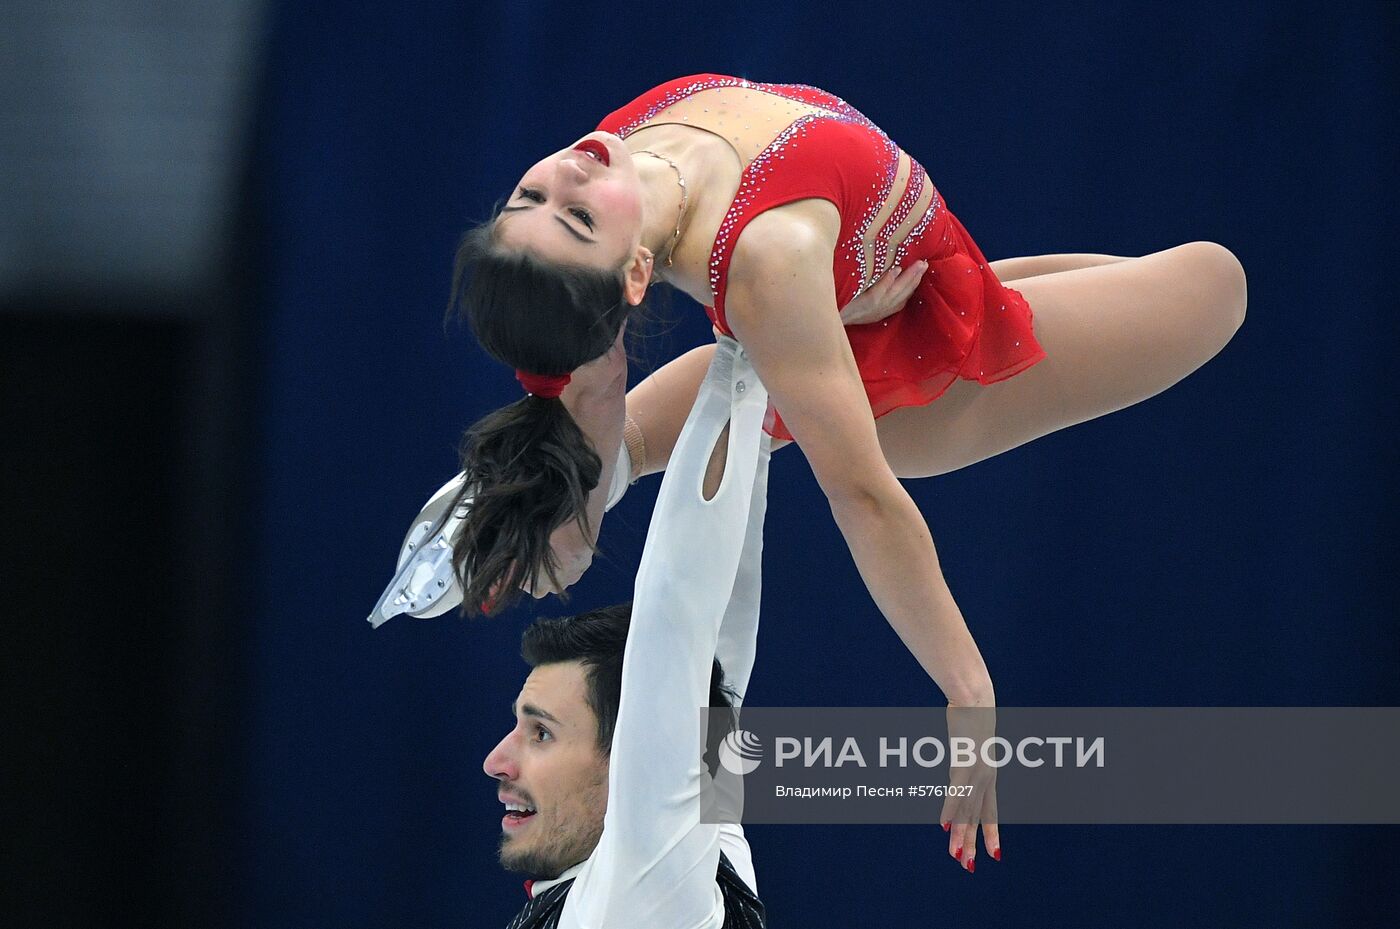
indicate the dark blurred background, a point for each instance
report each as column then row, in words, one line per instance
column 226, row 230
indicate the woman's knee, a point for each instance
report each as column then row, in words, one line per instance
column 1225, row 278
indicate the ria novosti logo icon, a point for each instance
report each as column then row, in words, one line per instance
column 740, row 752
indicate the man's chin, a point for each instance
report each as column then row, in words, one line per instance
column 526, row 861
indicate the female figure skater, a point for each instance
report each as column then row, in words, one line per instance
column 858, row 298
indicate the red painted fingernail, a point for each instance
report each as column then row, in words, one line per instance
column 971, row 866
column 996, row 853
column 958, row 854
column 946, row 825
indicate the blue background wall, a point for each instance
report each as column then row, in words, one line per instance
column 1227, row 543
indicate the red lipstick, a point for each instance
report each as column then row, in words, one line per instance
column 595, row 148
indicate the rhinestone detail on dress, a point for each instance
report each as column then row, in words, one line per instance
column 853, row 246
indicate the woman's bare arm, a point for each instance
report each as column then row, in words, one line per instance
column 661, row 402
column 595, row 397
column 781, row 306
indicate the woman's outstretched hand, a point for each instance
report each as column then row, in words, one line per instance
column 885, row 297
column 975, row 802
column 604, row 374
column 574, row 557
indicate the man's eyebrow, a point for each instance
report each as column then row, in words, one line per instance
column 572, row 231
column 529, row 709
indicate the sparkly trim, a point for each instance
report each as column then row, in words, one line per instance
column 755, row 174
column 891, row 170
column 675, row 96
column 922, row 224
column 838, row 107
column 750, row 183
column 913, row 189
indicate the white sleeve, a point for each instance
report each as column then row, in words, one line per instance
column 655, row 863
column 621, row 479
column 738, row 643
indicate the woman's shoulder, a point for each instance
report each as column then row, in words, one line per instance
column 788, row 229
column 793, row 241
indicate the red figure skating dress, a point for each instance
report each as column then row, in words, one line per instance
column 798, row 142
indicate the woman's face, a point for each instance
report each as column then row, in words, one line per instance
column 579, row 206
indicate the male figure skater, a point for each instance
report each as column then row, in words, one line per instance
column 602, row 774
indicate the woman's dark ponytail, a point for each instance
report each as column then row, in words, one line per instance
column 528, row 467
column 529, row 470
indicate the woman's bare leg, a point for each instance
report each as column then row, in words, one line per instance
column 1015, row 269
column 1113, row 335
column 661, row 403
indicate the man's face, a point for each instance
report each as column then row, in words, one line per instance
column 550, row 763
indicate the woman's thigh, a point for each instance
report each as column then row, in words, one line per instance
column 1113, row 334
column 1015, row 269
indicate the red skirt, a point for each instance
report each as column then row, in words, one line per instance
column 961, row 322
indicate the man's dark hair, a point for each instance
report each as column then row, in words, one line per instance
column 597, row 640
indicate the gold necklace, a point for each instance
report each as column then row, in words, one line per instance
column 685, row 201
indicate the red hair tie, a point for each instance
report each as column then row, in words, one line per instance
column 548, row 386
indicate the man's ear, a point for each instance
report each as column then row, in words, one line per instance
column 637, row 278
